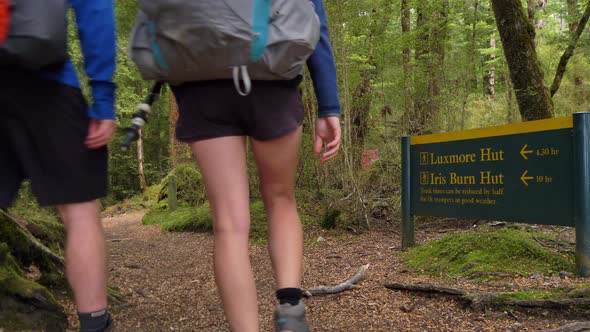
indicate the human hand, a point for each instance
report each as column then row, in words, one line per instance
column 327, row 138
column 100, row 133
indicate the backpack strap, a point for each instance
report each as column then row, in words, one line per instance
column 260, row 23
column 156, row 50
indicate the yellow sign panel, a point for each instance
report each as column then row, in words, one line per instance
column 511, row 129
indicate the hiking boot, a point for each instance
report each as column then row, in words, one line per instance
column 291, row 318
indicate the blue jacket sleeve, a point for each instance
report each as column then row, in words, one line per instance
column 95, row 20
column 322, row 68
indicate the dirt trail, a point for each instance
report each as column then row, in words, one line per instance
column 168, row 281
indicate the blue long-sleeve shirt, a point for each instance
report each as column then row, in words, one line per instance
column 96, row 29
column 322, row 68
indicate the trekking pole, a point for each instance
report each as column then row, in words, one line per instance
column 140, row 117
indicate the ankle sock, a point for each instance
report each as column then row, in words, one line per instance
column 94, row 321
column 289, row 295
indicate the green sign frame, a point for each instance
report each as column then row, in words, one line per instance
column 533, row 172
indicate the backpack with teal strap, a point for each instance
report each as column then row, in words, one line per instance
column 186, row 40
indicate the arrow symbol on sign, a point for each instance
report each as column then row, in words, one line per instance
column 524, row 178
column 524, row 152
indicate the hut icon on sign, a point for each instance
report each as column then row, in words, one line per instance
column 424, row 178
column 424, row 158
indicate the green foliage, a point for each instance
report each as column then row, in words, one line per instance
column 508, row 250
column 189, row 186
column 449, row 47
column 336, row 218
column 258, row 222
column 7, row 263
column 184, row 219
column 581, row 291
column 43, row 223
column 329, row 219
column 532, row 295
column 146, row 200
column 12, row 281
column 36, row 300
column 190, row 219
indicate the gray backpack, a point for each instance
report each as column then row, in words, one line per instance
column 37, row 35
column 193, row 40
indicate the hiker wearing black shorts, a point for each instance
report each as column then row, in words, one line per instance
column 52, row 137
column 217, row 117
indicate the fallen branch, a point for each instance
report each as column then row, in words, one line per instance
column 479, row 301
column 427, row 288
column 347, row 285
column 574, row 327
column 549, row 303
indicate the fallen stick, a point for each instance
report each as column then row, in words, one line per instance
column 347, row 285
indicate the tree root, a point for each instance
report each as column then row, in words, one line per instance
column 480, row 301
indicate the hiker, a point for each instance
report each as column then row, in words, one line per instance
column 217, row 114
column 49, row 135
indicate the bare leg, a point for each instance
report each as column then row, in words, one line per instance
column 277, row 165
column 223, row 164
column 86, row 262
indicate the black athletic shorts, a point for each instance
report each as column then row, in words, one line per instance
column 212, row 109
column 43, row 126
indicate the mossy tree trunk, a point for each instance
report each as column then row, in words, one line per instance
column 26, row 304
column 27, row 248
column 518, row 34
column 363, row 95
column 431, row 38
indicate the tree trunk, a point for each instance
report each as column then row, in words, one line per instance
column 347, row 129
column 173, row 120
column 569, row 52
column 406, row 29
column 179, row 152
column 473, row 53
column 438, row 39
column 517, row 36
column 511, row 116
column 492, row 72
column 363, row 95
column 430, row 58
column 573, row 14
column 420, row 120
column 140, row 170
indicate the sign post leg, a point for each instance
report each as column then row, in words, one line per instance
column 172, row 192
column 582, row 192
column 407, row 217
